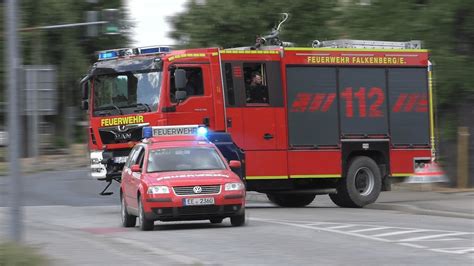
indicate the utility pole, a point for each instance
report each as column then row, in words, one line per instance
column 13, row 67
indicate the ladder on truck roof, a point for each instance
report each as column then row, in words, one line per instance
column 367, row 44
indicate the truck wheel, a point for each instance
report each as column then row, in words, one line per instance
column 291, row 200
column 144, row 223
column 361, row 186
column 239, row 219
column 127, row 219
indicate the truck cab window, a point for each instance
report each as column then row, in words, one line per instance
column 256, row 89
column 194, row 83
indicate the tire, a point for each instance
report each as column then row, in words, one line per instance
column 144, row 223
column 127, row 219
column 291, row 200
column 216, row 220
column 238, row 220
column 361, row 186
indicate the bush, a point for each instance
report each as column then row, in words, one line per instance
column 13, row 254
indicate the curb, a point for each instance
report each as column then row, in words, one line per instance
column 416, row 210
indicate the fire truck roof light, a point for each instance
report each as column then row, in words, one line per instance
column 154, row 50
column 189, row 130
column 121, row 52
column 108, row 55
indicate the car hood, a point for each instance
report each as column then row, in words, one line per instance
column 189, row 178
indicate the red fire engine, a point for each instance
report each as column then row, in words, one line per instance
column 339, row 118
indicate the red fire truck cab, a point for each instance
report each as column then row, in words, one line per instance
column 339, row 119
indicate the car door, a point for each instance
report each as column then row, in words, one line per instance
column 198, row 106
column 128, row 185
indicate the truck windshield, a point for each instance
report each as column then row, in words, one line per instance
column 126, row 93
column 184, row 159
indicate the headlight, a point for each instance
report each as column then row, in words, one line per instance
column 158, row 190
column 234, row 186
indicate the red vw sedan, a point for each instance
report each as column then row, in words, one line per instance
column 171, row 178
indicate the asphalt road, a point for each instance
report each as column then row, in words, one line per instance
column 67, row 220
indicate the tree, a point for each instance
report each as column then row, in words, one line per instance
column 236, row 23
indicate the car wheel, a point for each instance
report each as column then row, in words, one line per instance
column 216, row 220
column 144, row 223
column 127, row 219
column 238, row 220
column 291, row 200
column 361, row 186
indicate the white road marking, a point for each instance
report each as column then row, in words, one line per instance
column 402, row 232
column 437, row 235
column 321, row 229
column 423, row 238
column 411, row 245
column 370, row 229
column 342, row 226
column 454, row 250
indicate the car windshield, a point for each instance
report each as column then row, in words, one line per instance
column 126, row 93
column 184, row 159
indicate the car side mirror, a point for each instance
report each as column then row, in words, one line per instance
column 136, row 168
column 234, row 164
column 180, row 79
column 180, row 96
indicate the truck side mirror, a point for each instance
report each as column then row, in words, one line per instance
column 180, row 96
column 180, row 79
column 85, row 89
column 85, row 105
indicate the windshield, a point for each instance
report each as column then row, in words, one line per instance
column 184, row 159
column 126, row 93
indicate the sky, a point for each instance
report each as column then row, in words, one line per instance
column 149, row 16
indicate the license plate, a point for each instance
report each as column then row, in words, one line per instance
column 198, row 201
column 121, row 159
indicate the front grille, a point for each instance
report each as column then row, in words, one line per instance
column 189, row 190
column 113, row 135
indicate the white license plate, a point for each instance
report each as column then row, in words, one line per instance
column 198, row 201
column 121, row 159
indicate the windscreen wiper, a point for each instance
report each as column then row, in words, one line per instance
column 148, row 108
column 108, row 107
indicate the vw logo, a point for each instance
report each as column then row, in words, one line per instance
column 197, row 189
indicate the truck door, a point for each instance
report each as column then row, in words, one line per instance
column 197, row 108
column 256, row 116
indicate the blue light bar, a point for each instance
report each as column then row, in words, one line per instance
column 108, row 55
column 202, row 131
column 155, row 50
column 147, row 132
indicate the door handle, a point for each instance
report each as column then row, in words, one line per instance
column 268, row 136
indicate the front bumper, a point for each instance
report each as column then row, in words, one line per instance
column 194, row 212
column 170, row 208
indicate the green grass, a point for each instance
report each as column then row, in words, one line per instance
column 13, row 254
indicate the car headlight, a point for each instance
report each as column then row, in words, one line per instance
column 233, row 186
column 158, row 190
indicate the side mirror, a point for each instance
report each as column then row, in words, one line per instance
column 85, row 89
column 180, row 79
column 235, row 164
column 136, row 168
column 180, row 96
column 85, row 105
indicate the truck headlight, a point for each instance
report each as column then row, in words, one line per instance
column 233, row 186
column 158, row 190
